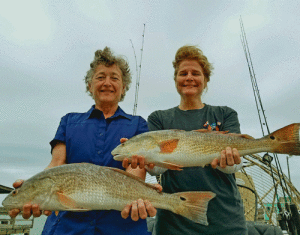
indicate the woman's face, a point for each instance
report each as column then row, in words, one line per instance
column 107, row 85
column 190, row 81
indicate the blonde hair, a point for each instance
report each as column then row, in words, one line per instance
column 107, row 58
column 192, row 53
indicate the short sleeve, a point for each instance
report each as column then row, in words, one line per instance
column 231, row 121
column 154, row 122
column 143, row 127
column 60, row 136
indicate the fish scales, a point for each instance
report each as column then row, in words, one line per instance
column 83, row 187
column 96, row 184
column 175, row 149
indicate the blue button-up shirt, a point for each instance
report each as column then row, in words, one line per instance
column 89, row 137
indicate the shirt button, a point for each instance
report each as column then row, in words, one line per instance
column 101, row 134
column 99, row 152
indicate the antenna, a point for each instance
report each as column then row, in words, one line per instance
column 138, row 73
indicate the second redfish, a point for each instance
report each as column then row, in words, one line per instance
column 174, row 149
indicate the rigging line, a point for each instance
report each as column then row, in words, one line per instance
column 284, row 221
column 247, row 54
column 283, row 179
column 138, row 76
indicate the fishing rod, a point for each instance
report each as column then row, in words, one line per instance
column 138, row 73
column 290, row 208
column 267, row 158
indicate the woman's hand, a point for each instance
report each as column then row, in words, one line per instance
column 28, row 209
column 140, row 208
column 135, row 160
column 229, row 157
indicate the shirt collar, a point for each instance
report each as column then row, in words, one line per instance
column 93, row 112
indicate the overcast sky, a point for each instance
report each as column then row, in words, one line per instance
column 47, row 46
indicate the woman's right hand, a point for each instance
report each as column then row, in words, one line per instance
column 140, row 208
column 135, row 160
column 28, row 209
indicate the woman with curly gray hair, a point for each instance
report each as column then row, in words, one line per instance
column 90, row 137
column 106, row 58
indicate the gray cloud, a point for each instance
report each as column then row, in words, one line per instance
column 44, row 59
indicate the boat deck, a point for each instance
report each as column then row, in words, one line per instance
column 14, row 226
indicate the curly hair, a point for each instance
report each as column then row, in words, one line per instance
column 192, row 53
column 107, row 58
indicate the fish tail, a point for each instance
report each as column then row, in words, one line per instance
column 286, row 139
column 193, row 205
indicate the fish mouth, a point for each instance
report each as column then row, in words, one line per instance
column 118, row 157
column 9, row 206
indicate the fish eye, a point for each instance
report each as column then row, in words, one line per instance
column 183, row 199
column 15, row 192
column 272, row 137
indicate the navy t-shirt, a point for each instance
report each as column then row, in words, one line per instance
column 225, row 212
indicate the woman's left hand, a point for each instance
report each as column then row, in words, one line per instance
column 229, row 157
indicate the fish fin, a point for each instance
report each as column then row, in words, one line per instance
column 241, row 135
column 66, row 201
column 132, row 176
column 169, row 165
column 78, row 210
column 69, row 203
column 193, row 205
column 286, row 140
column 219, row 132
column 203, row 130
column 168, row 146
column 210, row 131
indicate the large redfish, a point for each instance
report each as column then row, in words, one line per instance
column 83, row 187
column 175, row 149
